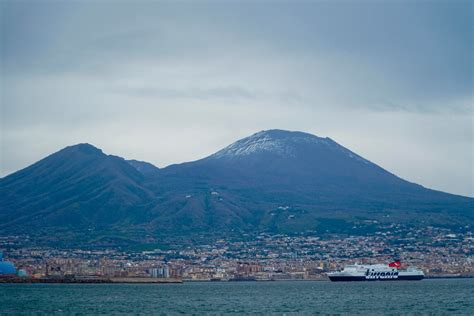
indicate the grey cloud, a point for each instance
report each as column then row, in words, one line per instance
column 230, row 92
column 129, row 76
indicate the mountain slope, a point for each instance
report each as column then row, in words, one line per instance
column 78, row 186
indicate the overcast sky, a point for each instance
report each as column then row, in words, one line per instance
column 172, row 82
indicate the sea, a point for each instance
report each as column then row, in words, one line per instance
column 426, row 297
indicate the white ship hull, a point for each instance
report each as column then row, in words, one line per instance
column 378, row 272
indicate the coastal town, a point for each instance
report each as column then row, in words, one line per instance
column 439, row 252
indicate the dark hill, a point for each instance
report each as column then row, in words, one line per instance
column 78, row 186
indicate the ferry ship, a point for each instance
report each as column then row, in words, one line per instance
column 377, row 272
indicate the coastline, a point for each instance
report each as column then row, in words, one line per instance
column 98, row 280
column 142, row 280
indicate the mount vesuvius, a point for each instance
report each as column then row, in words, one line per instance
column 273, row 181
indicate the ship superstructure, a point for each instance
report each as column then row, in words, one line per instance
column 377, row 272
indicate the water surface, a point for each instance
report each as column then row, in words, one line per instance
column 442, row 296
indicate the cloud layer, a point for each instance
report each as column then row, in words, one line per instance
column 171, row 82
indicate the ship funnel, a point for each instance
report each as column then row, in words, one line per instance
column 395, row 264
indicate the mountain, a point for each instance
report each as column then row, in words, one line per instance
column 78, row 187
column 274, row 181
column 294, row 181
column 282, row 159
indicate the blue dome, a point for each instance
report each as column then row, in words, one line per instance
column 7, row 268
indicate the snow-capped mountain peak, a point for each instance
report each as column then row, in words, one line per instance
column 278, row 142
column 282, row 143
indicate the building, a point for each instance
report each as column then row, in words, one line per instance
column 6, row 268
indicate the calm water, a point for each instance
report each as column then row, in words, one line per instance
column 427, row 296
